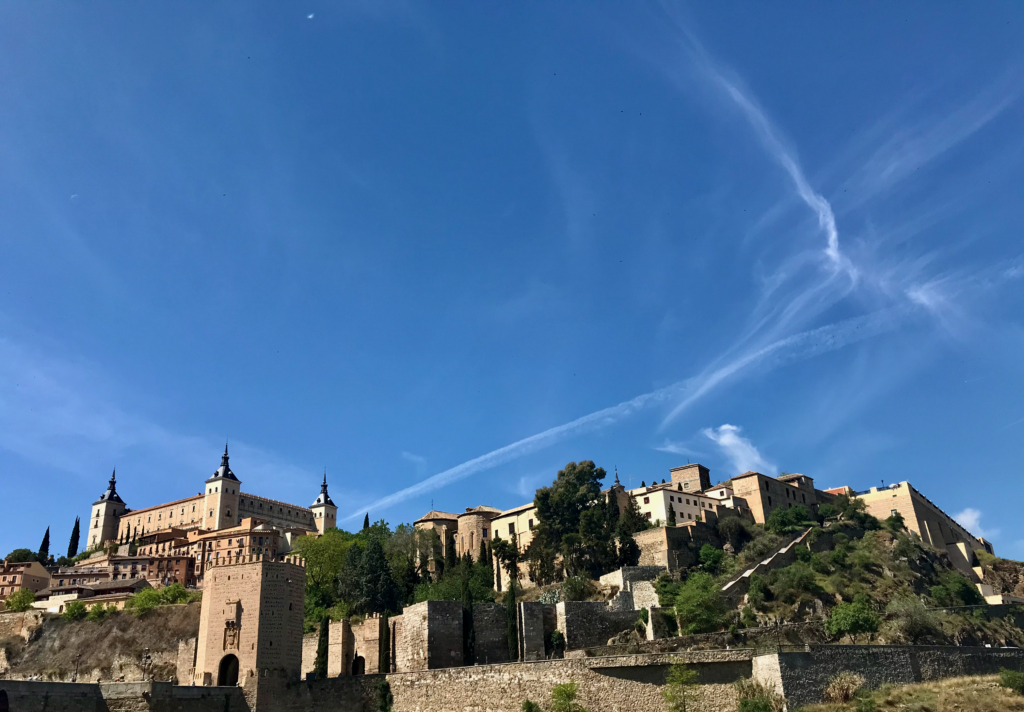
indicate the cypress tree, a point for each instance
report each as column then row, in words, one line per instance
column 384, row 646
column 366, row 522
column 512, row 628
column 482, row 556
column 44, row 547
column 380, row 592
column 671, row 515
column 451, row 559
column 612, row 510
column 320, row 664
column 468, row 632
column 73, row 544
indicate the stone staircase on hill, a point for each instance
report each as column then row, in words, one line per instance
column 782, row 556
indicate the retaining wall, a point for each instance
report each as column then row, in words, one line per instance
column 120, row 697
column 802, row 676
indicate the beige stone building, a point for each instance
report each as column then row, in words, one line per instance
column 250, row 626
column 176, row 541
column 15, row 576
column 927, row 520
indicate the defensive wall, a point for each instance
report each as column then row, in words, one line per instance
column 629, row 683
column 801, row 675
column 120, row 697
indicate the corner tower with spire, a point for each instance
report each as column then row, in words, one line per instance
column 106, row 515
column 325, row 514
column 221, row 500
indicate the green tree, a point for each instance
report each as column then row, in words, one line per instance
column 711, row 559
column 671, row 516
column 629, row 551
column 44, row 547
column 894, row 523
column 451, row 557
column 74, row 611
column 632, row 519
column 99, row 612
column 699, row 605
column 320, row 663
column 512, row 620
column 366, row 521
column 563, row 698
column 679, row 687
column 20, row 601
column 21, row 556
column 468, row 629
column 380, row 593
column 529, row 706
column 142, row 602
column 350, row 586
column 73, row 543
column 852, row 618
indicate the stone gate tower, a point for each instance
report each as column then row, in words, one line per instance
column 250, row 626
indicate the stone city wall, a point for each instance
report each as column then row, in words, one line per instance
column 120, row 697
column 490, row 628
column 590, row 623
column 802, row 676
column 626, row 576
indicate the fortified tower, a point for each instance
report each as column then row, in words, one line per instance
column 694, row 477
column 250, row 626
column 220, row 504
column 325, row 514
column 106, row 515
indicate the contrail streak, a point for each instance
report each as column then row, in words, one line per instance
column 798, row 347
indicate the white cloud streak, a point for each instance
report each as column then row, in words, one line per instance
column 798, row 347
column 740, row 451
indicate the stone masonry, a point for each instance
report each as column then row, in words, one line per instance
column 251, row 621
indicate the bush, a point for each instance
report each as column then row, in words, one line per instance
column 74, row 611
column 760, row 547
column 852, row 618
column 842, row 687
column 748, row 618
column 563, row 698
column 793, row 580
column 755, row 697
column 98, row 613
column 757, row 591
column 785, row 520
column 20, row 600
column 576, row 588
column 699, row 606
column 530, row 706
column 802, row 553
column 1012, row 680
column 711, row 558
column 910, row 620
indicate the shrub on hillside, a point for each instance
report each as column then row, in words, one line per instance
column 711, row 559
column 782, row 521
column 99, row 612
column 699, row 606
column 761, row 546
column 1012, row 680
column 577, row 588
column 529, row 706
column 74, row 611
column 679, row 687
column 20, row 601
column 789, row 582
column 757, row 591
column 149, row 598
column 852, row 618
column 910, row 621
column 955, row 590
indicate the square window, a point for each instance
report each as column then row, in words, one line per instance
column 647, row 500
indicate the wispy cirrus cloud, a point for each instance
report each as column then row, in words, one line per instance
column 740, row 451
column 64, row 414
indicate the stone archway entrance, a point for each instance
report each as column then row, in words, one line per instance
column 227, row 676
column 359, row 665
column 4, row 705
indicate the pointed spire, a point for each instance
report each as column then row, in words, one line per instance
column 224, row 457
column 324, row 498
column 224, row 471
column 111, row 494
column 616, row 474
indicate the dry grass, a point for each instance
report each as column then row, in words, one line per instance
column 958, row 694
column 843, row 687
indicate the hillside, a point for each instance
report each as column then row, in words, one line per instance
column 109, row 648
column 862, row 580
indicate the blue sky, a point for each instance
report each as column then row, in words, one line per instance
column 442, row 250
